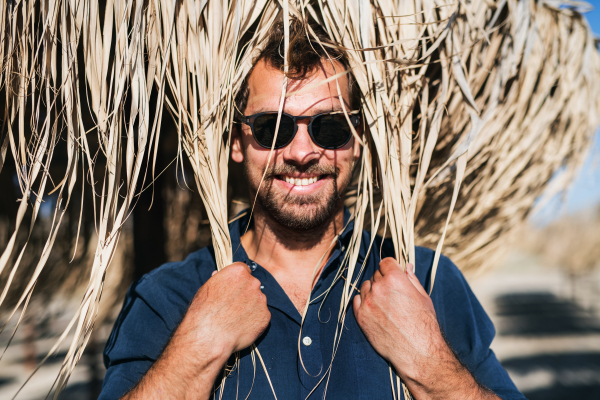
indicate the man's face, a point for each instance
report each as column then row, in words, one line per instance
column 304, row 183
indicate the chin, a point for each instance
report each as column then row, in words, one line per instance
column 307, row 217
column 301, row 216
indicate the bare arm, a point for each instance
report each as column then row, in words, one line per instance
column 175, row 376
column 398, row 318
column 228, row 313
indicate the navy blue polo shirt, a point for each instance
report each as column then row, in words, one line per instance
column 156, row 304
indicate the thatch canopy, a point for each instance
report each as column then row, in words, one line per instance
column 471, row 108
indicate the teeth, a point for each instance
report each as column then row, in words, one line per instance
column 300, row 181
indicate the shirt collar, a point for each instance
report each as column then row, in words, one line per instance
column 276, row 297
column 239, row 224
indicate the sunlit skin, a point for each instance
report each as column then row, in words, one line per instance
column 281, row 250
column 393, row 310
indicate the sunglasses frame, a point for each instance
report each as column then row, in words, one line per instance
column 249, row 120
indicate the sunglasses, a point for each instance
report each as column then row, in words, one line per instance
column 327, row 130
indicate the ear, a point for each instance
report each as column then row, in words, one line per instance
column 237, row 153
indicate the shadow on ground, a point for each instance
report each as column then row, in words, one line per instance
column 543, row 314
column 573, row 375
column 591, row 392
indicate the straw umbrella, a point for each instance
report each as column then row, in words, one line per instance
column 493, row 97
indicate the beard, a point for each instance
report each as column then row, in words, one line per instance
column 297, row 211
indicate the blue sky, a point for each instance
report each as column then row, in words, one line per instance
column 585, row 192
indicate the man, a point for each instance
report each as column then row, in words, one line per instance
column 183, row 326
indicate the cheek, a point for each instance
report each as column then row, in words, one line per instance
column 257, row 157
column 342, row 159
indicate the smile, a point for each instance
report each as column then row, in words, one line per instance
column 299, row 181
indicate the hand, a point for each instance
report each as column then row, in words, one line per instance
column 398, row 319
column 228, row 313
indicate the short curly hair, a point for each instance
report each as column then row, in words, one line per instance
column 305, row 56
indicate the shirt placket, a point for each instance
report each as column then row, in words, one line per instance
column 312, row 367
column 310, row 360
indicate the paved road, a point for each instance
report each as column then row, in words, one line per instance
column 548, row 327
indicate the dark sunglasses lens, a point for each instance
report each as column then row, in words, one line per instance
column 264, row 130
column 331, row 131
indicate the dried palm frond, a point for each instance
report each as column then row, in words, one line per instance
column 535, row 79
column 498, row 95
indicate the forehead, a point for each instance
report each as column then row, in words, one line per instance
column 265, row 84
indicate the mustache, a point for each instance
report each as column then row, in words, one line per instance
column 290, row 169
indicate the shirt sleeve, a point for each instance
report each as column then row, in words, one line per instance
column 465, row 324
column 135, row 343
column 151, row 312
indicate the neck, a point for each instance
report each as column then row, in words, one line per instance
column 291, row 252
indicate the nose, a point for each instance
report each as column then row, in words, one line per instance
column 302, row 150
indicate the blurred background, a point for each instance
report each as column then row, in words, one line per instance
column 543, row 293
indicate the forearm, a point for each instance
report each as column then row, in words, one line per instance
column 227, row 314
column 179, row 375
column 445, row 377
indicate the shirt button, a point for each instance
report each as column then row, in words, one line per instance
column 261, row 287
column 253, row 266
column 307, row 341
column 343, row 248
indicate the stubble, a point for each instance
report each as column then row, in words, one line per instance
column 294, row 211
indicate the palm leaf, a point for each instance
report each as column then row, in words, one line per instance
column 471, row 108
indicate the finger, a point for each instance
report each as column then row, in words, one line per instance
column 364, row 289
column 356, row 302
column 388, row 265
column 376, row 276
column 410, row 271
column 242, row 264
column 214, row 272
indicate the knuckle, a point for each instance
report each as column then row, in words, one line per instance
column 387, row 262
column 240, row 270
column 255, row 284
column 381, row 290
column 395, row 276
column 240, row 266
column 375, row 289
